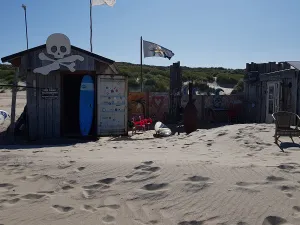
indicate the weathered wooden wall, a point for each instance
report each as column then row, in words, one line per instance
column 255, row 92
column 44, row 119
column 175, row 90
column 158, row 105
column 32, row 61
column 103, row 68
column 43, row 114
column 140, row 103
column 204, row 102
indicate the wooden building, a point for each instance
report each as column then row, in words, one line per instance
column 271, row 87
column 53, row 99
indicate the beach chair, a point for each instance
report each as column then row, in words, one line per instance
column 147, row 122
column 138, row 125
column 286, row 124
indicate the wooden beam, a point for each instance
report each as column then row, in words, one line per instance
column 13, row 106
column 16, row 62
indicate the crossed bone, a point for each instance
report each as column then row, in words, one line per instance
column 56, row 63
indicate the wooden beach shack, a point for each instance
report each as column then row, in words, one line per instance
column 271, row 87
column 53, row 98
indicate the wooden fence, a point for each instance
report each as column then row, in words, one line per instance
column 156, row 105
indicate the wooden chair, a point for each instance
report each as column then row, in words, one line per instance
column 284, row 125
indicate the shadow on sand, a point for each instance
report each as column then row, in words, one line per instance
column 287, row 145
column 5, row 143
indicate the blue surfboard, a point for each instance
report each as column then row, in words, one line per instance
column 86, row 104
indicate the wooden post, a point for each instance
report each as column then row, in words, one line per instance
column 13, row 105
column 141, row 55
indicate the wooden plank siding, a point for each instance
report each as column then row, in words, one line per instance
column 88, row 64
column 43, row 114
column 102, row 68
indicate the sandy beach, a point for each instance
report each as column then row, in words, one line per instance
column 232, row 175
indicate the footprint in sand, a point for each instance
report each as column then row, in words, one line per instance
column 13, row 201
column 274, row 220
column 72, row 182
column 62, row 167
column 287, row 188
column 209, row 143
column 89, row 208
column 67, row 187
column 213, row 220
column 248, row 187
column 108, row 219
column 289, row 195
column 3, row 200
column 192, row 222
column 81, row 168
column 148, row 162
column 198, row 178
column 113, row 206
column 6, row 186
column 222, row 133
column 274, row 178
column 95, row 186
column 11, row 195
column 46, row 192
column 297, row 211
column 63, row 209
column 152, row 169
column 288, row 166
column 155, row 187
column 107, row 180
column 33, row 196
column 37, row 151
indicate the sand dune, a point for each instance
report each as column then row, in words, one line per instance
column 233, row 175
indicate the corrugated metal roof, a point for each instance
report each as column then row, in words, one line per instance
column 295, row 64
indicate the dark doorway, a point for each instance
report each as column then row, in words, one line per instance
column 70, row 106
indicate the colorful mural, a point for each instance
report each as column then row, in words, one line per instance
column 158, row 105
column 137, row 104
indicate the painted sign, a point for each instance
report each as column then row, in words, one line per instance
column 49, row 93
column 137, row 104
column 58, row 48
column 158, row 105
column 112, row 103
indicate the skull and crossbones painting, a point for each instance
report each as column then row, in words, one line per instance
column 59, row 47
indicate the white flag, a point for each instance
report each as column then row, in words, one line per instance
column 103, row 2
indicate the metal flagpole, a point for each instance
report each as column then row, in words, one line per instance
column 141, row 64
column 91, row 27
column 24, row 7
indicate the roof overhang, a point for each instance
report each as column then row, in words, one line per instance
column 14, row 59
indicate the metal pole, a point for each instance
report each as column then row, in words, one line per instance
column 91, row 27
column 24, row 7
column 141, row 64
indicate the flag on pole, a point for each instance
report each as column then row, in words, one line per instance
column 110, row 3
column 155, row 50
column 103, row 2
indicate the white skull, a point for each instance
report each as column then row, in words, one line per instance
column 58, row 45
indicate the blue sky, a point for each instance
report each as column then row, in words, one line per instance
column 204, row 33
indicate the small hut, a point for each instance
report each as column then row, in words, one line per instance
column 53, row 74
column 271, row 87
